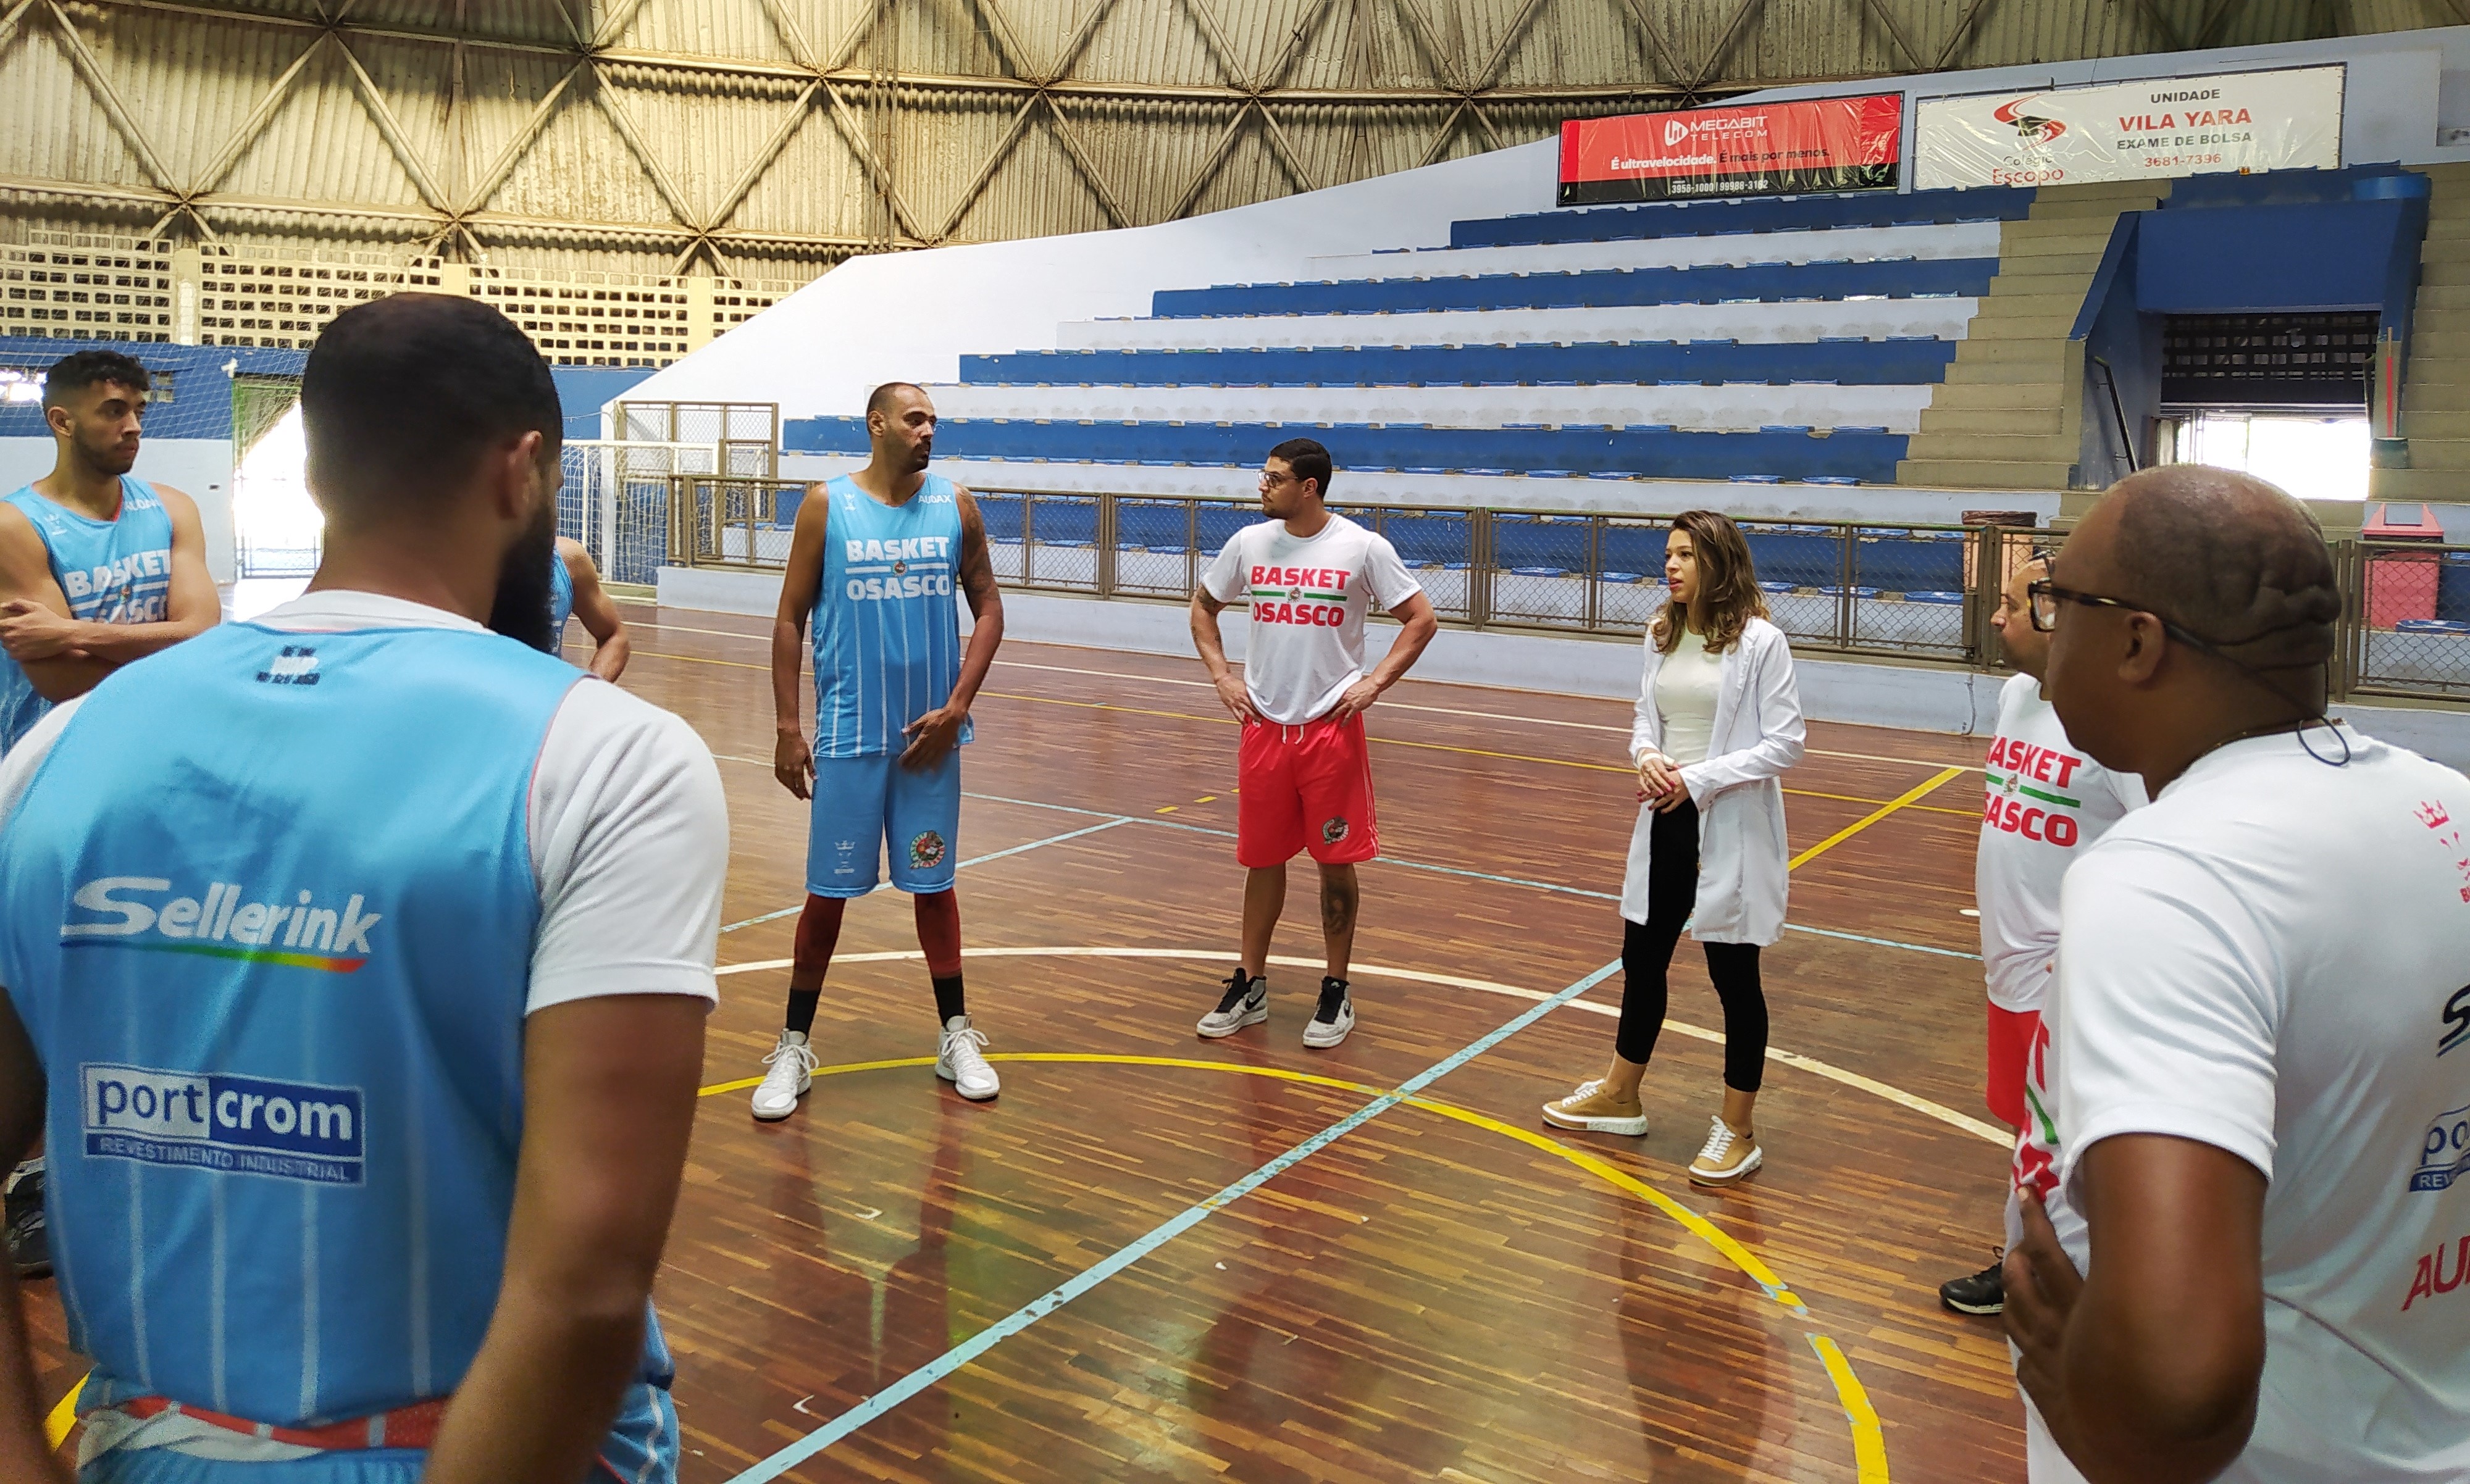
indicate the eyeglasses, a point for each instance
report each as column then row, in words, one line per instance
column 2045, row 597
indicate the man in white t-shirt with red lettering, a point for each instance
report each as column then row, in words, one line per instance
column 2046, row 801
column 2262, row 1056
column 1310, row 578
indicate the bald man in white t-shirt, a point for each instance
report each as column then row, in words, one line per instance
column 2264, row 1098
column 1311, row 577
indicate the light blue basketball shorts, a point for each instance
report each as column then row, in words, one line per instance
column 866, row 807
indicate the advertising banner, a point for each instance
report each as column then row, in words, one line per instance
column 2149, row 130
column 1829, row 144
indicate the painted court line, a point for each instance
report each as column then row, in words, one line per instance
column 1385, row 860
column 1484, row 876
column 1885, row 1091
column 1869, row 1443
column 976, row 860
column 1401, row 706
column 961, row 1354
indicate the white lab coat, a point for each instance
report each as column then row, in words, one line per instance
column 1737, row 789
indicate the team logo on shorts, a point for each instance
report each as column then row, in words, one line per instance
column 1333, row 831
column 927, row 851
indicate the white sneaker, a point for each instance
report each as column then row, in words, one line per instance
column 793, row 1070
column 1245, row 1003
column 958, row 1060
column 1727, row 1158
column 1334, row 1019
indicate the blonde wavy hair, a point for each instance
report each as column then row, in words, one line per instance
column 1728, row 586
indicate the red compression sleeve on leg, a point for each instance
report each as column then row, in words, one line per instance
column 939, row 932
column 819, row 933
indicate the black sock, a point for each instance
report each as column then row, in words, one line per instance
column 1329, row 981
column 801, row 1009
column 948, row 999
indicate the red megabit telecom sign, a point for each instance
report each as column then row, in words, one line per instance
column 1829, row 144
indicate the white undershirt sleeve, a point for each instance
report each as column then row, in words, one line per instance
column 2168, row 1014
column 630, row 842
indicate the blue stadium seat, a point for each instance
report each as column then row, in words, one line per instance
column 1694, row 219
column 1715, row 284
column 1847, row 362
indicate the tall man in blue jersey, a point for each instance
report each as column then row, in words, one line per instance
column 365, row 1001
column 97, row 568
column 873, row 559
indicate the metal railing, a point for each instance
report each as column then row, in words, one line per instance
column 2406, row 619
column 1891, row 590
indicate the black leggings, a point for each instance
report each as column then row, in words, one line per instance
column 1647, row 952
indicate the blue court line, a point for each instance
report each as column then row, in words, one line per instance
column 1477, row 876
column 968, row 1350
column 976, row 860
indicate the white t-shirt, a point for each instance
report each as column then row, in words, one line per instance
column 1687, row 686
column 2270, row 958
column 2046, row 802
column 629, row 831
column 1309, row 595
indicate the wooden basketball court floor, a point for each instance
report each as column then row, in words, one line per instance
column 1159, row 1257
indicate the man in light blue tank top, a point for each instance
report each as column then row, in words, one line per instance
column 97, row 568
column 874, row 559
column 365, row 1003
column 574, row 591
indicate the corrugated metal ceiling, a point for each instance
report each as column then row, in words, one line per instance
column 652, row 135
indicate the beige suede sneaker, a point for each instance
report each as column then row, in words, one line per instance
column 1591, row 1109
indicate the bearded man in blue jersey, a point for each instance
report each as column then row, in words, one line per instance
column 875, row 558
column 97, row 568
column 365, row 1004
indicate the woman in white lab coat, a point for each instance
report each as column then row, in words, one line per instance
column 1718, row 723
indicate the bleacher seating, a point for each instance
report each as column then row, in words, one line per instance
column 1789, row 340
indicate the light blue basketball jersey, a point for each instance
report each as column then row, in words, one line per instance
column 887, row 629
column 112, row 572
column 274, row 960
column 561, row 599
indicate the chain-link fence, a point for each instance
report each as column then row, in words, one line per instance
column 616, row 501
column 2409, row 619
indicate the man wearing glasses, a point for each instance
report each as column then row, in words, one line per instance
column 2263, row 1095
column 2046, row 801
column 1306, row 778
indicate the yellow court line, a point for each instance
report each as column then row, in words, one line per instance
column 1869, row 1446
column 1885, row 1091
column 56, row 1427
column 1903, row 801
column 1869, row 1443
column 1229, row 720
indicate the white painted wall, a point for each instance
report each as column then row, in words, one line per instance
column 199, row 467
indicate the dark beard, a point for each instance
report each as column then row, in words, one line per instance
column 521, row 608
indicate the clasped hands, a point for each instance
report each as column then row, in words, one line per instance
column 1659, row 781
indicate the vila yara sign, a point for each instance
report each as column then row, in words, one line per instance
column 1829, row 144
column 2150, row 129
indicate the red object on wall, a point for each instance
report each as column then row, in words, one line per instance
column 2401, row 584
column 1826, row 144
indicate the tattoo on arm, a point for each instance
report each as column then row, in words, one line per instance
column 977, row 560
column 1208, row 602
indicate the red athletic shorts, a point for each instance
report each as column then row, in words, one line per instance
column 2011, row 1049
column 1306, row 787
